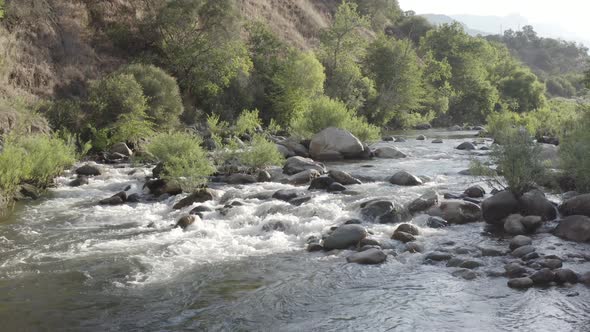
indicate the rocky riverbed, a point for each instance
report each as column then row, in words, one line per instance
column 392, row 243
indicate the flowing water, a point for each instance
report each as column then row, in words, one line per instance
column 69, row 264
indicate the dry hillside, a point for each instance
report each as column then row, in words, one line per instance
column 53, row 46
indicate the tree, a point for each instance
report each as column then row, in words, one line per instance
column 299, row 80
column 342, row 46
column 523, row 88
column 164, row 104
column 381, row 12
column 394, row 67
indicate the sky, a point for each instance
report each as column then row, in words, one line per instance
column 572, row 15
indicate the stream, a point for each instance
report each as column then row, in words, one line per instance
column 69, row 264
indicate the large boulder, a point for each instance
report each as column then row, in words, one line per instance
column 333, row 142
column 424, row 202
column 121, row 148
column 344, row 237
column 574, row 228
column 199, row 196
column 283, row 150
column 457, row 212
column 239, row 178
column 294, row 147
column 296, row 165
column 88, row 170
column 578, row 205
column 303, row 177
column 161, row 186
column 370, row 256
column 466, row 146
column 321, row 183
column 384, row 212
column 534, row 203
column 389, row 153
column 403, row 178
column 343, row 177
column 496, row 208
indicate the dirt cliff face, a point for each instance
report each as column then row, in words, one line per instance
column 51, row 47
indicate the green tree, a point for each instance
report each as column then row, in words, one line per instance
column 394, row 66
column 523, row 88
column 164, row 104
column 299, row 80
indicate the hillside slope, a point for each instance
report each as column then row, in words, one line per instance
column 51, row 47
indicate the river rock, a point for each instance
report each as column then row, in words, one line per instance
column 515, row 270
column 400, row 140
column 521, row 251
column 520, row 283
column 300, row 200
column 437, row 141
column 423, row 126
column 578, row 205
column 79, row 181
column 263, row 176
column 388, row 139
column 531, row 223
column 332, row 142
column 369, row 256
column 121, row 148
column 303, row 178
column 199, row 196
column 117, row 199
column 520, row 241
column 296, row 165
column 436, row 222
column 345, row 236
column 466, row 274
column 287, row 195
column 88, row 170
column 381, row 211
column 457, row 212
column 438, row 256
column 186, row 221
column 295, row 147
column 421, row 138
column 369, row 242
column 336, row 187
column 389, row 153
column 456, row 128
column 543, row 277
column 496, row 208
column 238, row 178
column 513, row 225
column 403, row 178
column 343, row 178
column 491, row 252
column 534, row 203
column 321, row 183
column 466, row 146
column 424, row 202
column 161, row 186
column 285, row 151
column 403, row 236
column 413, row 247
column 471, row 264
column 552, row 263
column 563, row 276
column 574, row 228
column 408, row 228
column 475, row 192
column 314, row 247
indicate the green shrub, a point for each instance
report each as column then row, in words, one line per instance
column 575, row 153
column 248, row 122
column 164, row 104
column 517, row 160
column 114, row 96
column 132, row 127
column 325, row 112
column 185, row 162
column 35, row 159
column 261, row 154
column 65, row 114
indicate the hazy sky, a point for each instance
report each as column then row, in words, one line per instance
column 571, row 15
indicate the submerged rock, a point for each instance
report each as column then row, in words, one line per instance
column 343, row 178
column 79, row 181
column 199, row 196
column 466, row 146
column 466, row 274
column 438, row 256
column 436, row 222
column 389, row 153
column 381, row 211
column 404, row 178
column 116, row 199
column 345, row 236
column 186, row 221
column 403, row 236
column 367, row 257
column 520, row 283
column 423, row 202
column 287, row 195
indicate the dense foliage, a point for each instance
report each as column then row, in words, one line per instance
column 575, row 152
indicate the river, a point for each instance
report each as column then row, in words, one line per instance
column 68, row 264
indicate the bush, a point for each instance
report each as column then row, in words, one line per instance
column 325, row 112
column 132, row 128
column 65, row 114
column 261, row 154
column 184, row 161
column 248, row 122
column 114, row 96
column 164, row 104
column 575, row 153
column 35, row 159
column 518, row 160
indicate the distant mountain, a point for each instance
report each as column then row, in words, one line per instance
column 438, row 19
column 493, row 25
